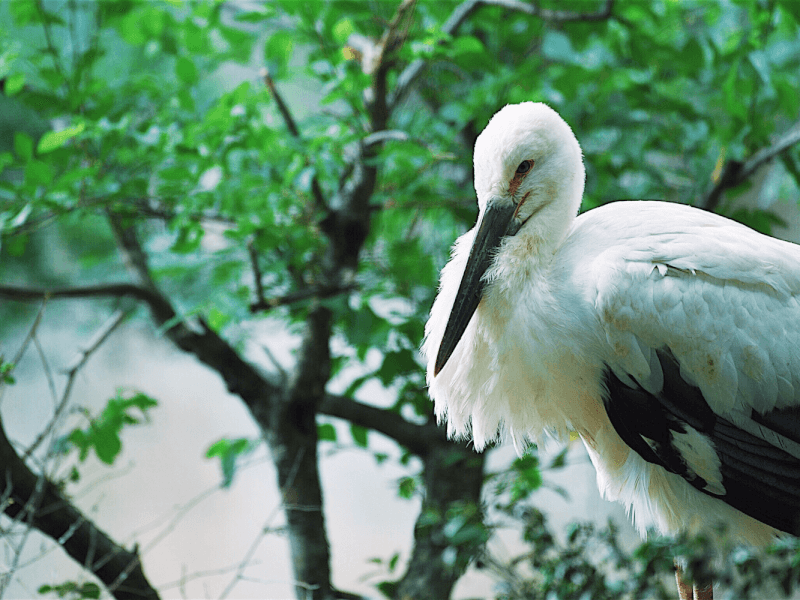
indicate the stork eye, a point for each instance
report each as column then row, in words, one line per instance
column 524, row 167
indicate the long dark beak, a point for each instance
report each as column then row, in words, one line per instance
column 497, row 222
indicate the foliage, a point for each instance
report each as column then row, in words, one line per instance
column 72, row 590
column 136, row 117
column 6, row 370
column 103, row 433
column 591, row 562
column 229, row 452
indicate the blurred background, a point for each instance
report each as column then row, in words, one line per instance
column 221, row 227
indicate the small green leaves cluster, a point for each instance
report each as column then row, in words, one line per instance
column 6, row 370
column 229, row 453
column 103, row 432
column 72, row 590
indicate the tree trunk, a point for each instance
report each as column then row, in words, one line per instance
column 292, row 437
column 453, row 477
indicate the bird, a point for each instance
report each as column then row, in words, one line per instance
column 665, row 336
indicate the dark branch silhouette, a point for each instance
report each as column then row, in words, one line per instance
column 735, row 172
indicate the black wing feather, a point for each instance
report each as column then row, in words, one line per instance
column 759, row 479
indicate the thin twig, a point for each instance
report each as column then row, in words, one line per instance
column 291, row 125
column 267, row 528
column 25, row 343
column 736, row 172
column 315, row 292
column 278, row 366
column 48, row 372
column 247, row 560
column 51, row 48
column 283, row 108
column 72, row 371
column 30, row 509
column 170, row 521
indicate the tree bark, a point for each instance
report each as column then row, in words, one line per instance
column 292, row 438
column 35, row 501
column 453, row 478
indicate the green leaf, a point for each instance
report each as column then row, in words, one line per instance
column 252, row 16
column 326, row 432
column 186, row 70
column 406, row 487
column 103, row 433
column 733, row 101
column 23, row 146
column 38, row 173
column 106, row 442
column 24, row 12
column 342, row 30
column 72, row 590
column 397, row 363
column 792, row 7
column 528, row 477
column 278, row 51
column 229, row 452
column 14, row 83
column 217, row 319
column 6, row 368
column 466, row 44
column 53, row 140
column 359, row 434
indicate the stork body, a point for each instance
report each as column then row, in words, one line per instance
column 667, row 337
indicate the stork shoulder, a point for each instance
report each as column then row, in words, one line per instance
column 721, row 297
column 687, row 238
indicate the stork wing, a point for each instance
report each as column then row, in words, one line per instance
column 702, row 325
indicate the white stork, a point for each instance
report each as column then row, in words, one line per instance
column 667, row 337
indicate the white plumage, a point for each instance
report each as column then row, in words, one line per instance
column 667, row 337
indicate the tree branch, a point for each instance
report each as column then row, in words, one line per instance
column 417, row 438
column 309, row 293
column 291, row 125
column 72, row 371
column 37, row 501
column 253, row 253
column 157, row 303
column 464, row 10
column 240, row 377
column 736, row 172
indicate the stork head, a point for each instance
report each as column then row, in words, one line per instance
column 529, row 180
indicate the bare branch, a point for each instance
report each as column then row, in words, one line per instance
column 309, row 293
column 25, row 343
column 51, row 48
column 283, row 108
column 736, row 172
column 133, row 255
column 251, row 250
column 464, row 10
column 154, row 300
column 392, row 39
column 291, row 125
column 48, row 372
column 36, row 500
column 266, row 529
column 72, row 371
column 417, row 438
